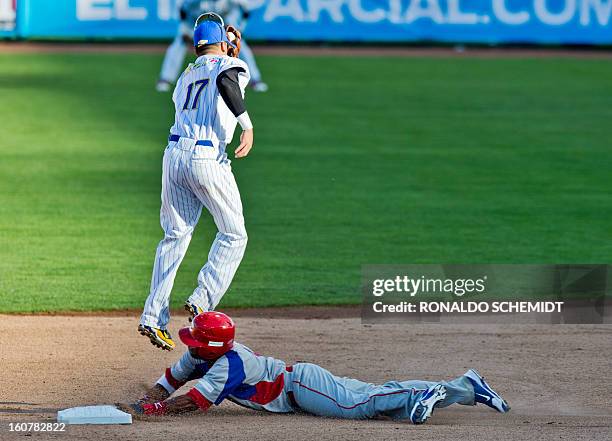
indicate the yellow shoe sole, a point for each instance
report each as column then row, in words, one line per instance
column 157, row 338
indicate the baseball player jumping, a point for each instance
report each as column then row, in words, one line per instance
column 208, row 99
column 228, row 370
column 235, row 11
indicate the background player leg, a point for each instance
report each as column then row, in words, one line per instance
column 246, row 55
column 216, row 188
column 179, row 214
column 173, row 62
column 319, row 392
column 237, row 18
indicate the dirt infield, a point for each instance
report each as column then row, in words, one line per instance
column 329, row 51
column 555, row 377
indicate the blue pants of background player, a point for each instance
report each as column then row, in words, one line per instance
column 319, row 392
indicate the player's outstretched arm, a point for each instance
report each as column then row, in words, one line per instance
column 154, row 394
column 174, row 406
column 180, row 405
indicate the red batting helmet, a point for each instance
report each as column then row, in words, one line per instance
column 211, row 334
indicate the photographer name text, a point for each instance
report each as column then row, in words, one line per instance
column 506, row 307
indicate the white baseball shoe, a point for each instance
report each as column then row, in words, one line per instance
column 425, row 406
column 484, row 394
column 163, row 86
column 259, row 86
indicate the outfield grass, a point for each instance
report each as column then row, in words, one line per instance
column 357, row 161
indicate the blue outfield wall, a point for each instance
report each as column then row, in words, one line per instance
column 473, row 21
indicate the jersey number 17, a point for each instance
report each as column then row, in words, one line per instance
column 188, row 103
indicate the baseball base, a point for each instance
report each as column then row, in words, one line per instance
column 93, row 415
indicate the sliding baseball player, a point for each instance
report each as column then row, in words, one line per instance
column 226, row 370
column 208, row 100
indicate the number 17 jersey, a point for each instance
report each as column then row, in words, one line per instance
column 201, row 112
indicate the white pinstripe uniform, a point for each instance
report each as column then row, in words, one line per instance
column 196, row 174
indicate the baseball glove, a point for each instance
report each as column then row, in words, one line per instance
column 234, row 36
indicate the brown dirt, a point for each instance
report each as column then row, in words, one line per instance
column 555, row 377
column 332, row 51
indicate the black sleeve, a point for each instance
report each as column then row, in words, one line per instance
column 229, row 89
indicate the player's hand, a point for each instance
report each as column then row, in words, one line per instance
column 143, row 410
column 246, row 144
column 134, row 409
column 153, row 395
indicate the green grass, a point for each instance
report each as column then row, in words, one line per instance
column 357, row 161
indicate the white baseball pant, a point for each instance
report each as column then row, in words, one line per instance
column 195, row 177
